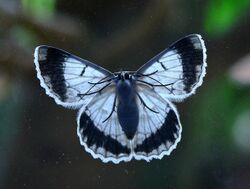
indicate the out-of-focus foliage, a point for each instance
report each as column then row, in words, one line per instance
column 10, row 108
column 240, row 71
column 42, row 9
column 241, row 130
column 218, row 109
column 24, row 37
column 8, row 117
column 223, row 15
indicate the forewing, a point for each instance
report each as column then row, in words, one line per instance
column 176, row 72
column 68, row 78
column 99, row 130
column 159, row 128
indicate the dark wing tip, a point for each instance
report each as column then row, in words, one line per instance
column 189, row 42
column 192, row 52
column 49, row 63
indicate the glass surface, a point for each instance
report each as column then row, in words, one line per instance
column 39, row 146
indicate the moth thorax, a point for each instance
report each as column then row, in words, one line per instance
column 125, row 91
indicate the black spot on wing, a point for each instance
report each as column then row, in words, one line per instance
column 162, row 135
column 83, row 70
column 162, row 65
column 190, row 51
column 94, row 136
column 51, row 62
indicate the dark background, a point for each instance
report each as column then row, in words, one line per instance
column 39, row 147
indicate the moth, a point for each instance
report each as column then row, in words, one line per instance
column 129, row 114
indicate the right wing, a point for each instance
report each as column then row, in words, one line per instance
column 159, row 128
column 68, row 78
column 177, row 71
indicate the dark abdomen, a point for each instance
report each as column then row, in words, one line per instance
column 128, row 116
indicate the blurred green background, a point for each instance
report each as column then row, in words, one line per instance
column 39, row 147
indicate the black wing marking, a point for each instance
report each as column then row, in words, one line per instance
column 66, row 77
column 176, row 72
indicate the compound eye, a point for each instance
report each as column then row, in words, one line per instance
column 119, row 76
column 126, row 76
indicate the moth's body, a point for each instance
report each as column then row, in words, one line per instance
column 127, row 110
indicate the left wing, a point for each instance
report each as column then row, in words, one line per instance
column 67, row 78
column 176, row 72
column 99, row 130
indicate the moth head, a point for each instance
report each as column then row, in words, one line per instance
column 124, row 81
column 124, row 76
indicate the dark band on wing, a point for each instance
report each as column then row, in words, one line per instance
column 190, row 49
column 91, row 135
column 51, row 63
column 161, row 136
